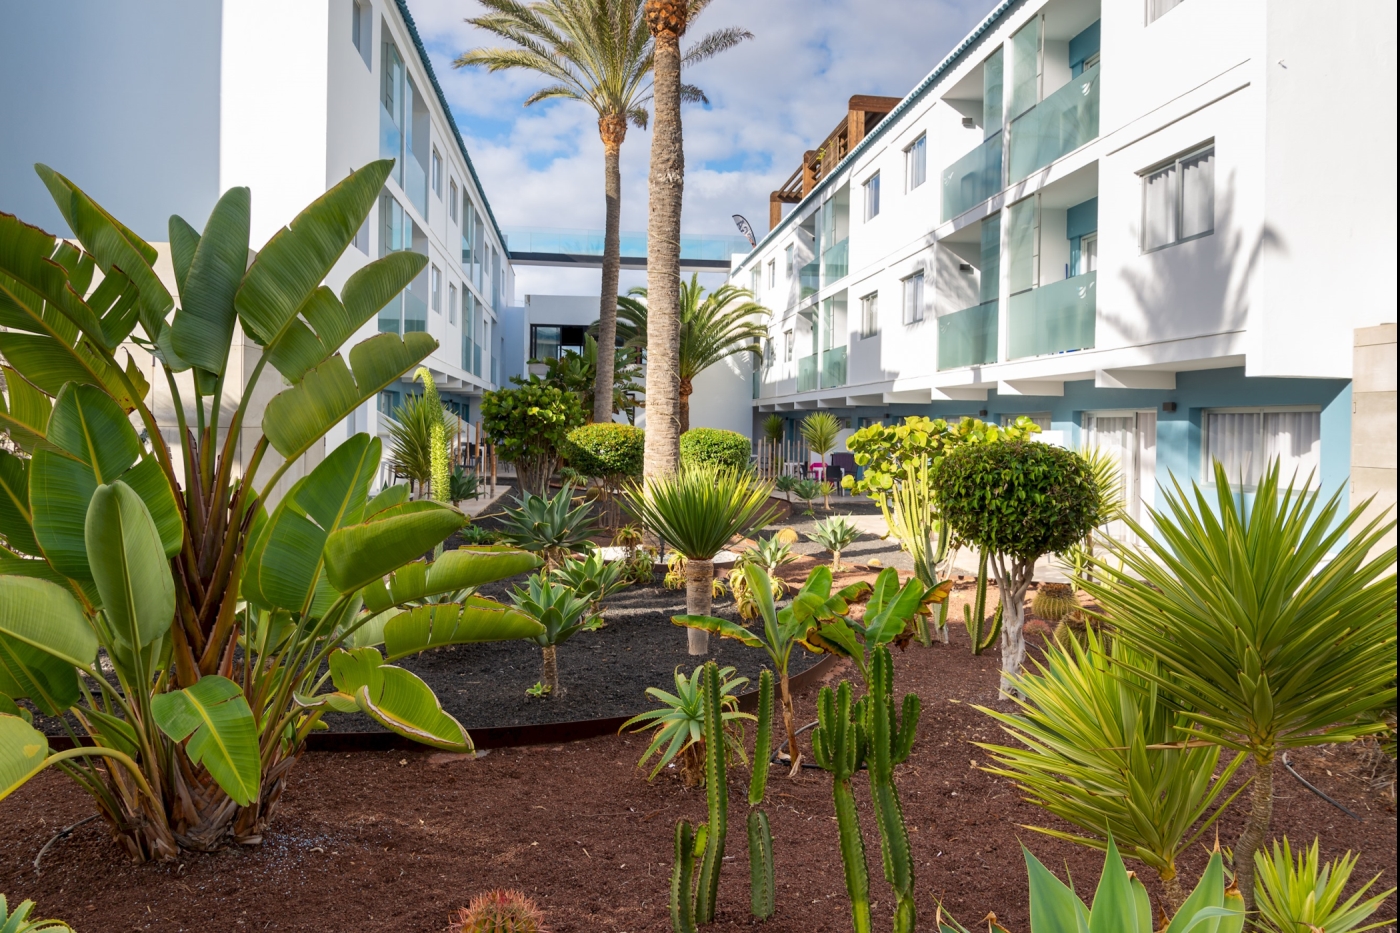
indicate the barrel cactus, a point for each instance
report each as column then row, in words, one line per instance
column 499, row 911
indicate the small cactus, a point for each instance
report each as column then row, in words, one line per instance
column 982, row 634
column 1071, row 628
column 499, row 911
column 1054, row 601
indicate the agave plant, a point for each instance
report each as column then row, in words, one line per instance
column 809, row 491
column 785, row 484
column 1304, row 894
column 697, row 510
column 835, row 534
column 1271, row 624
column 215, row 614
column 17, row 920
column 680, row 723
column 560, row 613
column 592, row 579
column 553, row 528
column 769, row 554
column 1096, row 752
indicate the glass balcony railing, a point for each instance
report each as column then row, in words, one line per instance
column 577, row 242
column 836, row 262
column 808, row 280
column 1058, row 125
column 391, row 316
column 415, row 313
column 391, row 142
column 834, row 368
column 972, row 179
column 1054, row 318
column 416, row 185
column 968, row 337
column 807, row 374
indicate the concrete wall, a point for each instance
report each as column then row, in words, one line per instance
column 1373, row 438
column 123, row 98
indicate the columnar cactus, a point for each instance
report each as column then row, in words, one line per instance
column 982, row 632
column 761, row 872
column 682, row 905
column 838, row 746
column 716, row 796
column 889, row 739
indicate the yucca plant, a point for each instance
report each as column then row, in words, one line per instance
column 215, row 607
column 411, row 439
column 680, row 724
column 697, row 510
column 562, row 615
column 1092, row 736
column 835, row 534
column 1305, row 894
column 552, row 527
column 819, row 430
column 1270, row 625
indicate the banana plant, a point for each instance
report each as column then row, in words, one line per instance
column 890, row 614
column 214, row 606
column 783, row 629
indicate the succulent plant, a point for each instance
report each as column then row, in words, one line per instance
column 552, row 527
column 17, row 921
column 499, row 911
column 691, row 906
column 561, row 613
column 835, row 534
column 680, row 725
column 592, row 578
column 1054, row 601
column 980, row 630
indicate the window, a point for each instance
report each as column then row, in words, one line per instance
column 787, row 346
column 550, row 342
column 914, row 298
column 361, row 28
column 452, row 304
column 1247, row 440
column 362, row 237
column 437, row 173
column 1088, row 254
column 916, row 163
column 1156, row 9
column 870, row 315
column 787, row 262
column 1178, row 200
column 388, row 402
column 872, row 197
column 452, row 200
column 435, row 288
column 772, row 273
column 753, row 282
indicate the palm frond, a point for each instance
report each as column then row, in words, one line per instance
column 721, row 40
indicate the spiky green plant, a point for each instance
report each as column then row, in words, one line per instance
column 553, row 528
column 1305, row 894
column 981, row 631
column 838, row 746
column 17, row 921
column 809, row 491
column 889, row 739
column 697, row 510
column 819, row 430
column 462, row 485
column 835, row 534
column 786, row 484
column 774, row 427
column 680, row 723
column 499, row 911
column 562, row 614
column 761, row 871
column 1272, row 625
column 592, row 578
column 1096, row 752
column 439, row 472
column 411, row 431
column 769, row 554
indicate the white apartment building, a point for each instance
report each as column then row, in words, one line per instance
column 1151, row 225
column 157, row 108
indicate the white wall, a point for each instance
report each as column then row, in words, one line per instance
column 723, row 397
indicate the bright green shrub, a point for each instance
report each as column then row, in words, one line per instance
column 529, row 425
column 715, row 446
column 606, row 450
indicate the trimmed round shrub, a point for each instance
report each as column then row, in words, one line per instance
column 529, row 425
column 715, row 447
column 606, row 450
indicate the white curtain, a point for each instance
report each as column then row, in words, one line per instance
column 1295, row 437
column 1246, row 442
column 1118, row 436
column 1198, row 194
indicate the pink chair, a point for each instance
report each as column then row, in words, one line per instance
column 817, row 470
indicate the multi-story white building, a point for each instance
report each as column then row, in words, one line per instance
column 156, row 109
column 1147, row 224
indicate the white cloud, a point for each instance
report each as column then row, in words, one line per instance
column 770, row 99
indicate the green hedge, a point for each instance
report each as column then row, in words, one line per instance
column 606, row 450
column 716, row 447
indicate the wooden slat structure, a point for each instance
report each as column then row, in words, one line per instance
column 863, row 112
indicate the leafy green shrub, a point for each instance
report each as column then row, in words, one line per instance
column 530, row 426
column 715, row 447
column 608, row 451
column 1017, row 500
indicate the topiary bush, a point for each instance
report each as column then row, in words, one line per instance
column 529, row 426
column 1017, row 500
column 608, row 451
column 715, row 447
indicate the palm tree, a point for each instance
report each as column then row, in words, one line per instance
column 599, row 52
column 712, row 329
column 667, row 20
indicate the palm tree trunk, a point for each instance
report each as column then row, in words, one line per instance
column 612, row 128
column 1256, row 825
column 551, row 670
column 1172, row 891
column 667, row 20
column 699, row 601
column 686, row 390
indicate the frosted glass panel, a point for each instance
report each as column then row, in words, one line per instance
column 992, row 95
column 1021, row 245
column 1025, row 68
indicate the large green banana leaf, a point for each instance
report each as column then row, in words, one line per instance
column 16, row 523
column 396, row 699
column 129, row 566
column 454, row 570
column 25, row 671
column 299, row 416
column 25, row 416
column 93, row 443
column 216, row 719
column 23, row 751
column 298, row 257
column 202, row 329
column 284, row 562
column 436, row 626
column 46, row 616
column 357, row 555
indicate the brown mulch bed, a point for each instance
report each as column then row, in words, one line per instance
column 396, row 841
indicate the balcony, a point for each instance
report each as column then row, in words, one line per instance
column 416, row 184
column 391, row 142
column 1054, row 318
column 972, row 179
column 968, row 337
column 836, row 262
column 1058, row 125
column 807, row 374
column 415, row 312
column 834, row 368
column 808, row 280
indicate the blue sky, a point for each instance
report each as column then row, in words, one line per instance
column 770, row 99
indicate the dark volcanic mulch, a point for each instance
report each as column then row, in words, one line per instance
column 396, row 841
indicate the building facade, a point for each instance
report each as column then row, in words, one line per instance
column 1122, row 218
